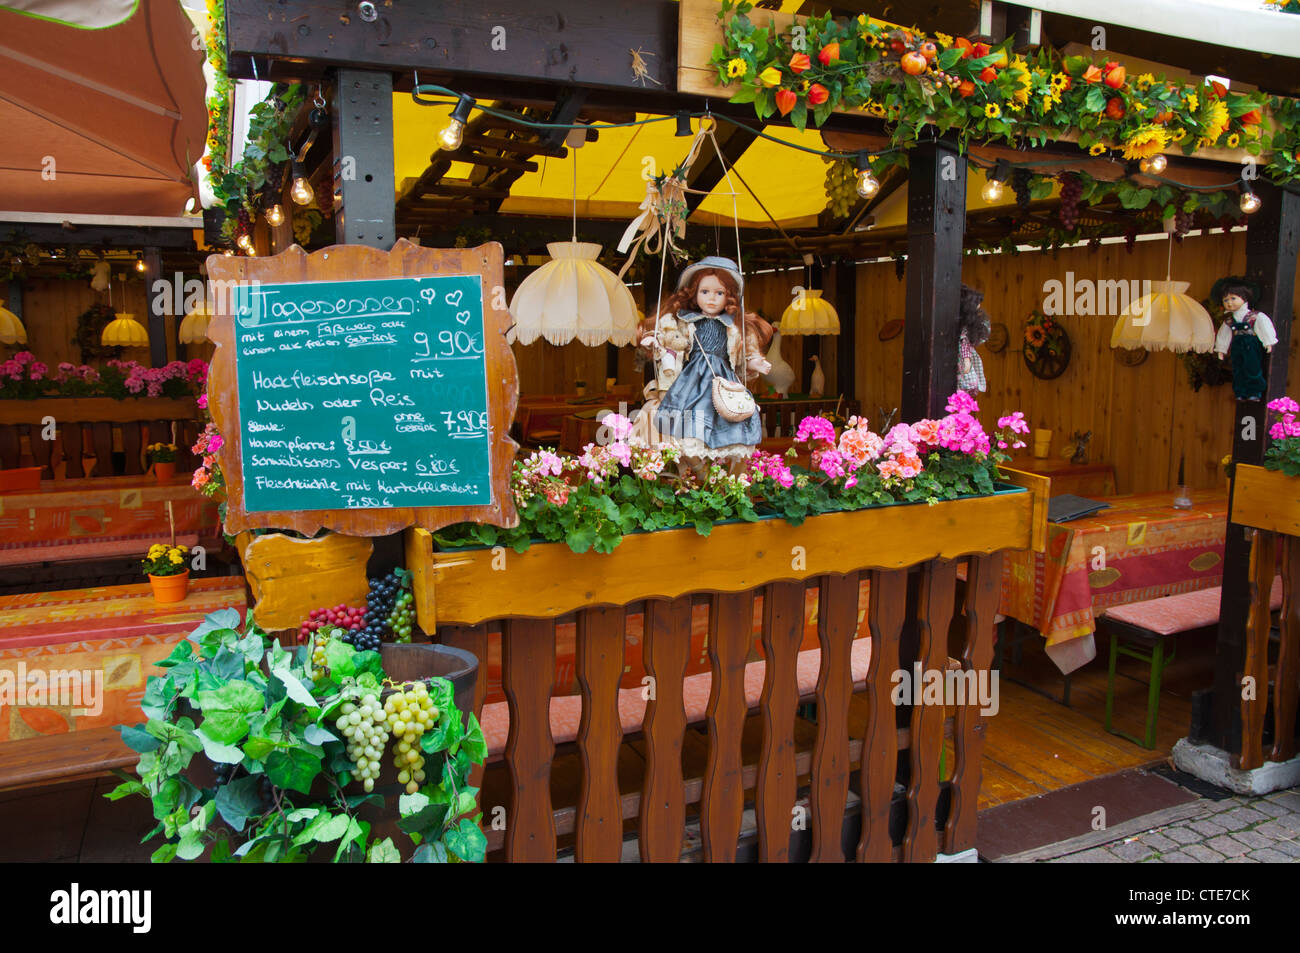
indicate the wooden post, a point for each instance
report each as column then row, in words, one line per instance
column 1272, row 246
column 936, row 218
column 846, row 305
column 363, row 158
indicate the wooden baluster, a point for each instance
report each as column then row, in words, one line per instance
column 1287, row 680
column 528, row 673
column 837, row 622
column 10, row 445
column 1263, row 558
column 600, row 667
column 73, row 452
column 935, row 609
column 132, row 448
column 885, row 614
column 102, row 435
column 42, row 451
column 777, row 778
column 731, row 619
column 983, row 589
column 473, row 639
column 666, row 648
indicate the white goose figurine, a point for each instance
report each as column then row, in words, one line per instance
column 817, row 385
column 782, row 375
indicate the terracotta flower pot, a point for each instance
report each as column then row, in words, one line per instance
column 164, row 471
column 170, row 588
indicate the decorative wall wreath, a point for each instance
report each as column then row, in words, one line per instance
column 1047, row 347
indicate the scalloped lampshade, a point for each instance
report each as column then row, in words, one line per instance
column 124, row 331
column 194, row 329
column 11, row 329
column 1165, row 320
column 571, row 297
column 810, row 313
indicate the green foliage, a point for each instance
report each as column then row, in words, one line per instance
column 239, row 761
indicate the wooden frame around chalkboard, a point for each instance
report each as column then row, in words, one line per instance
column 359, row 262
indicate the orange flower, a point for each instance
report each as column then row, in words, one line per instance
column 1035, row 335
column 817, row 94
column 799, row 62
column 1092, row 74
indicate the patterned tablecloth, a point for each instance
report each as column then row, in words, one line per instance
column 1138, row 549
column 112, row 636
column 108, row 517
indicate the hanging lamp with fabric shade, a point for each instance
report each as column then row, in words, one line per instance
column 11, row 328
column 1166, row 320
column 194, row 329
column 810, row 313
column 573, row 297
column 124, row 331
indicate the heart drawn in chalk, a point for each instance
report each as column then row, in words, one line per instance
column 453, row 298
column 429, row 295
column 462, row 316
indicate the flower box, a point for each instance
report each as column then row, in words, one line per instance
column 72, row 410
column 1266, row 499
column 469, row 586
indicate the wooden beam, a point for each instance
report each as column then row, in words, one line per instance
column 570, row 41
column 99, row 236
column 936, row 214
column 1272, row 247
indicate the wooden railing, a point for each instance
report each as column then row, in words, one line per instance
column 97, row 427
column 1269, row 501
column 781, row 417
column 908, row 555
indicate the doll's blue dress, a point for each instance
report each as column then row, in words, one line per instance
column 687, row 414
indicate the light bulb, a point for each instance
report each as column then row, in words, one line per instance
column 451, row 136
column 992, row 191
column 139, row 265
column 868, row 184
column 245, row 242
column 1250, row 202
column 1156, row 164
column 301, row 191
column 275, row 215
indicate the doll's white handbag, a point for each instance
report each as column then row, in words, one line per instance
column 731, row 399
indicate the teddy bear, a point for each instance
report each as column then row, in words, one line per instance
column 668, row 348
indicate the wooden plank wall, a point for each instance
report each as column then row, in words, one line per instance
column 1142, row 417
column 51, row 307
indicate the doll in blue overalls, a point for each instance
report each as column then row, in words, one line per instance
column 1246, row 337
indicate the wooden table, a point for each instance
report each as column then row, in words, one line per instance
column 1138, row 549
column 1081, row 479
column 101, row 518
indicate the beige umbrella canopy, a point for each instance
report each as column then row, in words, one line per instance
column 102, row 107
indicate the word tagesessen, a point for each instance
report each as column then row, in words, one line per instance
column 363, row 394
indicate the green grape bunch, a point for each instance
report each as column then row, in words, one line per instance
column 841, row 187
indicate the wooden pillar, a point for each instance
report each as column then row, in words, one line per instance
column 157, row 320
column 846, row 306
column 1272, row 247
column 936, row 219
column 363, row 158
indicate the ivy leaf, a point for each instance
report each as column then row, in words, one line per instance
column 431, row 853
column 466, row 841
column 225, row 710
column 163, row 854
column 949, row 57
column 293, row 769
column 1095, row 100
column 799, row 115
column 473, row 743
column 419, row 815
column 191, row 846
column 137, row 739
column 218, row 752
column 296, row 689
column 239, row 800
column 338, row 658
column 126, row 789
column 317, row 735
column 383, row 853
column 745, row 94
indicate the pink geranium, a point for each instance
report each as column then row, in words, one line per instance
column 961, row 403
column 831, row 464
column 815, row 429
column 1284, row 405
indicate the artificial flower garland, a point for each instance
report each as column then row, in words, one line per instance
column 975, row 91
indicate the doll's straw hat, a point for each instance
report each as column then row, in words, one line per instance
column 713, row 261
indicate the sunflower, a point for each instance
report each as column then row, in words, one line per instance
column 1146, row 142
column 1060, row 81
column 1192, row 102
column 736, row 68
column 1047, row 102
column 992, row 111
column 1035, row 336
column 1097, row 149
column 1145, row 81
column 875, row 109
column 943, row 39
column 1216, row 123
column 1178, row 136
column 1024, row 81
column 1233, row 141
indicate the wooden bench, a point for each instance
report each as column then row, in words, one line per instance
column 1146, row 627
column 73, row 756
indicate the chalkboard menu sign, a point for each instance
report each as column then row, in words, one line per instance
column 363, row 394
column 363, row 391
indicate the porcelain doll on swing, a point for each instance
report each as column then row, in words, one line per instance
column 705, row 412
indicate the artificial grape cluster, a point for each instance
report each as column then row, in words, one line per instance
column 319, row 640
column 388, row 602
column 1182, row 223
column 1071, row 191
column 410, row 713
column 841, row 188
column 340, row 617
column 402, row 617
column 365, row 729
column 1020, row 181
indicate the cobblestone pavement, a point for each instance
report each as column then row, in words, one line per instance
column 1236, row 830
